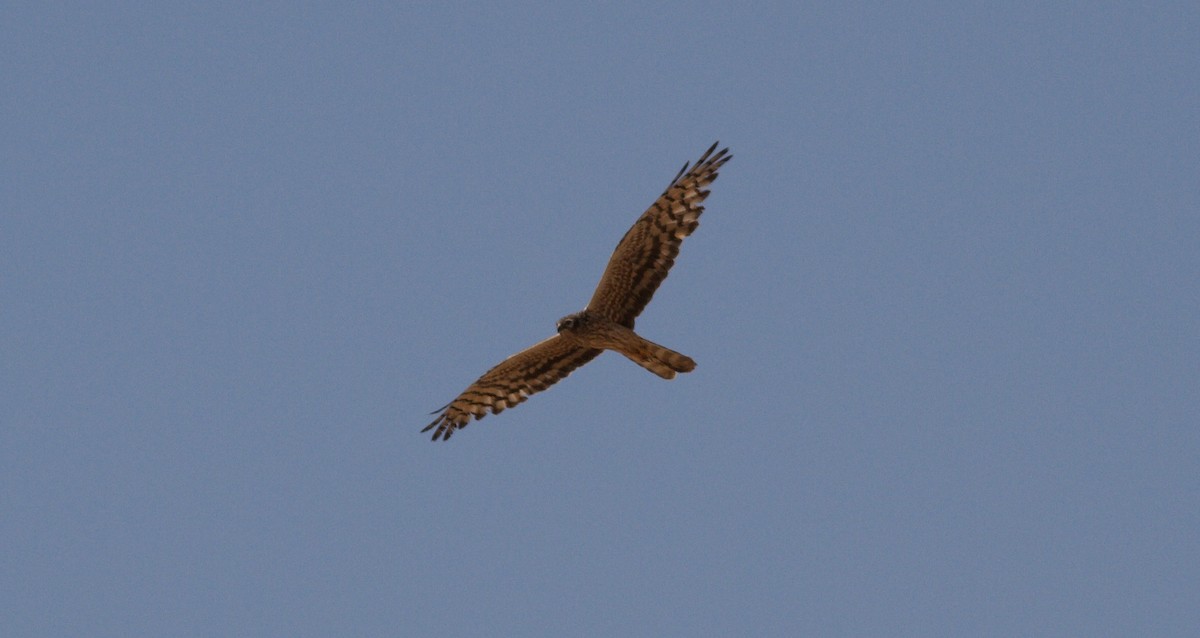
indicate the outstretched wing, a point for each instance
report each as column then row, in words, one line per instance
column 647, row 252
column 512, row 381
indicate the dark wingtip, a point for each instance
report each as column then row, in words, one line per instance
column 440, row 433
column 677, row 176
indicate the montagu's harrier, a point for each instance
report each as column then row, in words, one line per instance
column 636, row 268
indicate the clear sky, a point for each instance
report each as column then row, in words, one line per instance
column 944, row 305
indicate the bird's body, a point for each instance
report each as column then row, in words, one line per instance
column 639, row 264
column 595, row 331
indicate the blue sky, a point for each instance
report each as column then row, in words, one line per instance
column 943, row 304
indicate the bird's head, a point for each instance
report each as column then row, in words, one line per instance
column 571, row 322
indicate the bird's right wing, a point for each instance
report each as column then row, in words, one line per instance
column 512, row 381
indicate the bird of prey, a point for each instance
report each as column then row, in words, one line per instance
column 635, row 270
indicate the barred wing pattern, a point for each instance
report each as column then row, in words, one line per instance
column 511, row 382
column 635, row 270
column 644, row 256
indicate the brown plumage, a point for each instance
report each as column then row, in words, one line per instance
column 637, row 267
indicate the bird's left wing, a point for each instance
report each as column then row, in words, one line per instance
column 646, row 253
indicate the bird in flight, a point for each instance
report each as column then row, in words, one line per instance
column 635, row 270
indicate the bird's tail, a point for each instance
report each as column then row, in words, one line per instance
column 661, row 361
